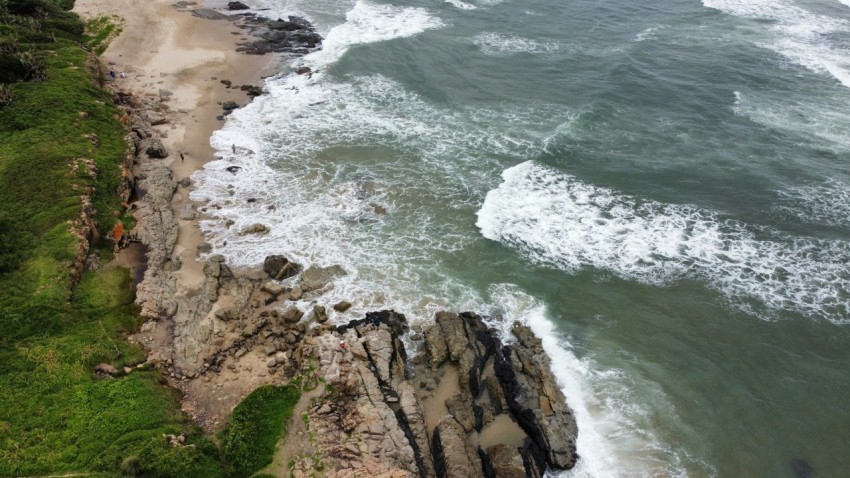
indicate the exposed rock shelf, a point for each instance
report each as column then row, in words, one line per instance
column 391, row 416
column 464, row 405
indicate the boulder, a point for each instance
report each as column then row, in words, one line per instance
column 279, row 267
column 252, row 90
column 317, row 277
column 506, row 462
column 156, row 119
column 156, row 149
column 273, row 288
column 291, row 315
column 237, row 6
column 104, row 370
column 256, row 229
column 319, row 314
column 449, row 447
column 342, row 306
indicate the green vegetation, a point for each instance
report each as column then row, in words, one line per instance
column 56, row 417
column 61, row 142
column 255, row 427
column 101, row 30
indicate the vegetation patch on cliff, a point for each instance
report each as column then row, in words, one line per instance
column 61, row 155
column 255, row 427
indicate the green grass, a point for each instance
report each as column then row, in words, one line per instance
column 42, row 133
column 55, row 416
column 58, row 418
column 101, row 30
column 255, row 427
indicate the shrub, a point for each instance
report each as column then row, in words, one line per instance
column 156, row 458
column 255, row 427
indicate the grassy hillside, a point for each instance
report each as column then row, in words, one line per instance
column 56, row 416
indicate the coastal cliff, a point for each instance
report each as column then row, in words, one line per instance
column 465, row 404
column 383, row 394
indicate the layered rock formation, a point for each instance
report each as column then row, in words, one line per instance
column 466, row 406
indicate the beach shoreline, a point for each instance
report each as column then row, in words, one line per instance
column 166, row 52
column 218, row 333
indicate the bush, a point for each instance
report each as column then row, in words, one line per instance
column 11, row 68
column 255, row 427
column 156, row 458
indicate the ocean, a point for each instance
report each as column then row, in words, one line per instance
column 660, row 189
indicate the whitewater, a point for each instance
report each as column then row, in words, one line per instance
column 661, row 194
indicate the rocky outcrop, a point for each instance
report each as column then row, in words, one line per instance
column 294, row 35
column 535, row 400
column 495, row 380
column 208, row 14
column 430, row 416
column 83, row 227
column 278, row 267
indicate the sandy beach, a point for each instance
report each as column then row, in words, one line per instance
column 164, row 50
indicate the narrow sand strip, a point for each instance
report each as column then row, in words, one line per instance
column 166, row 49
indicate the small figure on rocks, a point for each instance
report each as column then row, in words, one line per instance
column 123, row 75
column 342, row 344
column 234, row 149
column 112, row 74
column 182, row 158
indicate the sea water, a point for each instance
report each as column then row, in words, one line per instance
column 660, row 189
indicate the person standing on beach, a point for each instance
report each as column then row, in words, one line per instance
column 182, row 159
column 234, row 149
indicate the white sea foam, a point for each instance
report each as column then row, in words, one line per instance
column 557, row 220
column 824, row 119
column 291, row 146
column 648, row 34
column 613, row 440
column 370, row 23
column 325, row 212
column 826, row 203
column 501, row 44
column 798, row 34
column 461, row 5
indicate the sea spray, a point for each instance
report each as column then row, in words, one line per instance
column 555, row 219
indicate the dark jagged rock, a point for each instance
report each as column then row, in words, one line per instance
column 377, row 407
column 294, row 35
column 229, row 105
column 523, row 387
column 252, row 90
column 233, row 169
column 279, row 267
column 396, row 322
column 237, row 6
column 535, row 400
column 208, row 14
